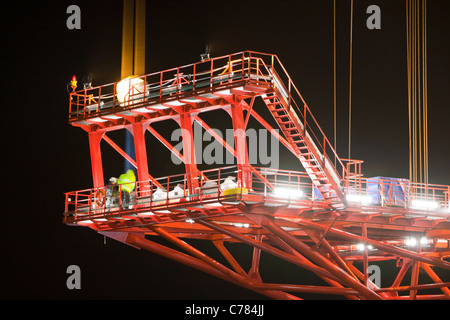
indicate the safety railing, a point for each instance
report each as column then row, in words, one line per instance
column 176, row 83
column 311, row 128
column 398, row 193
column 231, row 185
column 151, row 90
column 215, row 186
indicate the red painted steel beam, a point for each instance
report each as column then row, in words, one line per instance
column 414, row 279
column 200, row 264
column 127, row 157
column 442, row 285
column 231, row 149
column 360, row 275
column 318, row 258
column 229, row 257
column 424, row 297
column 304, row 263
column 435, row 278
column 140, row 150
column 199, row 255
column 329, row 249
column 96, row 158
column 254, row 270
column 175, row 255
column 307, row 289
column 186, row 122
column 119, row 150
column 365, row 256
column 237, row 117
column 165, row 143
column 401, row 274
column 252, row 101
column 388, row 248
column 215, row 135
column 290, row 250
column 268, row 127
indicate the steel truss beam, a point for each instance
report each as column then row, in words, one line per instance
column 342, row 276
column 384, row 247
column 288, row 235
column 202, row 263
column 96, row 158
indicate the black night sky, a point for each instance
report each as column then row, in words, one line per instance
column 44, row 156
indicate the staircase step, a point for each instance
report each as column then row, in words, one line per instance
column 324, row 185
column 297, row 135
column 312, row 160
column 315, row 166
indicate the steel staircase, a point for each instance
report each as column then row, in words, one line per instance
column 321, row 171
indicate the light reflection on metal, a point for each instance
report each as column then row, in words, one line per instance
column 319, row 230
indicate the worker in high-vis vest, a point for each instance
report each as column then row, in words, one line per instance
column 126, row 183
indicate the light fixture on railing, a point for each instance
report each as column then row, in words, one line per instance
column 206, row 55
column 424, row 204
column 128, row 87
column 288, row 193
column 359, row 198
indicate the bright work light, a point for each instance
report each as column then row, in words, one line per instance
column 288, row 193
column 127, row 89
column 359, row 198
column 424, row 204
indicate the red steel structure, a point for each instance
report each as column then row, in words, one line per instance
column 327, row 229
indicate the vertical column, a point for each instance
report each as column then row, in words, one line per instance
column 127, row 39
column 139, row 38
column 141, row 154
column 237, row 116
column 186, row 121
column 133, row 38
column 96, row 158
column 365, row 256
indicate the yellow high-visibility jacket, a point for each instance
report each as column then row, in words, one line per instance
column 127, row 180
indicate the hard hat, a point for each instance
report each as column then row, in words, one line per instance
column 113, row 179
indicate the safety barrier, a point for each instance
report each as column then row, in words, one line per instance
column 236, row 184
column 152, row 89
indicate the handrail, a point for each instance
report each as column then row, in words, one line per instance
column 161, row 84
column 325, row 143
column 223, row 70
column 219, row 184
column 250, row 62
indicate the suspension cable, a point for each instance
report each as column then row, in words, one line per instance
column 408, row 69
column 425, row 87
column 416, row 41
column 334, row 77
column 350, row 82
